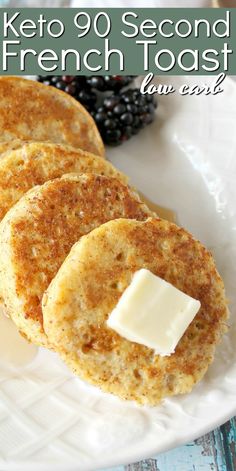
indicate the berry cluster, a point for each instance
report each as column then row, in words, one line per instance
column 118, row 113
column 123, row 115
column 109, row 82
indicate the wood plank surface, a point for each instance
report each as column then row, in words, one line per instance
column 215, row 451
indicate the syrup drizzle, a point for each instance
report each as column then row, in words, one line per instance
column 14, row 349
column 164, row 213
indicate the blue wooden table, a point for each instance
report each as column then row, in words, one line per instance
column 215, row 451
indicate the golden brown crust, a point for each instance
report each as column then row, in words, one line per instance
column 34, row 163
column 38, row 232
column 88, row 286
column 33, row 111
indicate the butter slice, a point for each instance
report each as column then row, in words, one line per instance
column 153, row 313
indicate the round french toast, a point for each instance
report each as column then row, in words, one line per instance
column 34, row 163
column 38, row 232
column 33, row 111
column 88, row 286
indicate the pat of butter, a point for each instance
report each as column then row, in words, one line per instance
column 153, row 313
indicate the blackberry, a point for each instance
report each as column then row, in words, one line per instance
column 76, row 86
column 123, row 115
column 118, row 114
column 85, row 89
column 109, row 82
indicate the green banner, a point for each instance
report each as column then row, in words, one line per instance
column 137, row 41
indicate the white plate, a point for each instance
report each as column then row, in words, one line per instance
column 49, row 419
